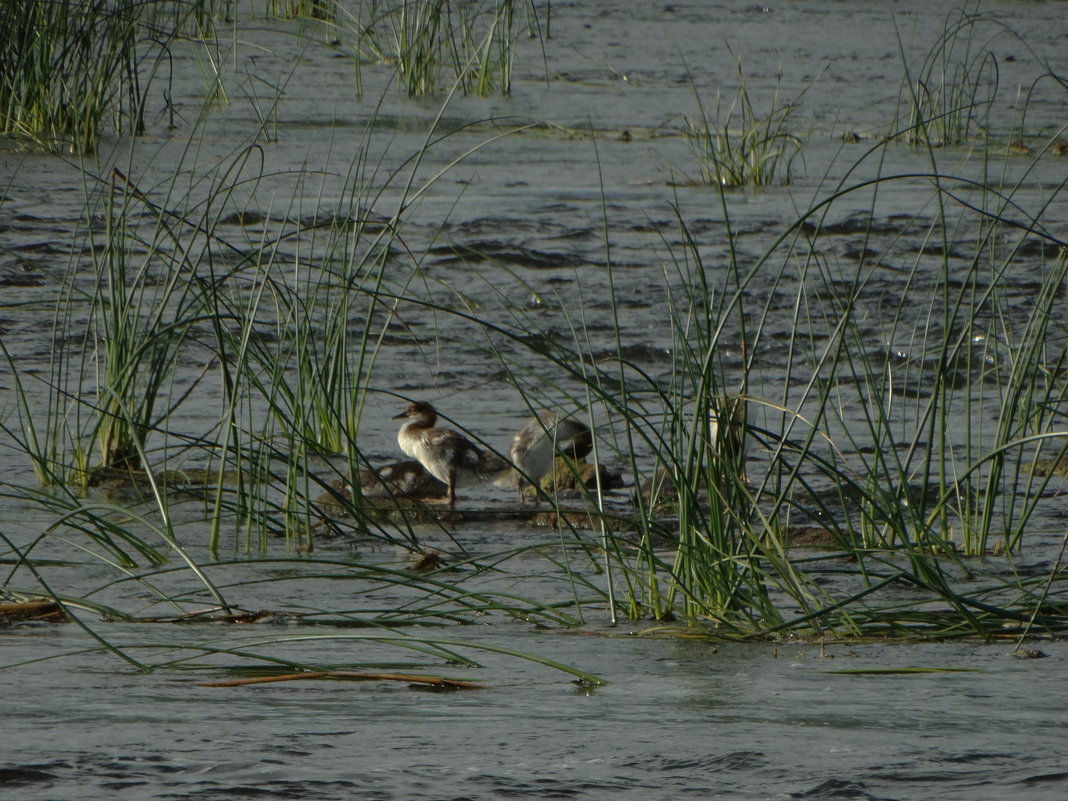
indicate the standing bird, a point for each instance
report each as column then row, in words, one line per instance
column 727, row 435
column 446, row 454
column 537, row 444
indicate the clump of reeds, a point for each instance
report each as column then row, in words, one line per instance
column 737, row 145
column 951, row 93
column 68, row 69
column 902, row 467
column 438, row 43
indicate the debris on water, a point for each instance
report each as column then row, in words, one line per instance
column 429, row 562
column 1033, row 653
column 37, row 611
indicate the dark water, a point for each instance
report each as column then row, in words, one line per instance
column 679, row 719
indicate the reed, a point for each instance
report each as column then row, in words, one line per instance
column 928, row 478
column 735, row 145
column 71, row 71
column 951, row 92
column 906, row 462
column 437, row 43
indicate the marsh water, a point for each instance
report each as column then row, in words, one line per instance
column 680, row 719
column 582, row 167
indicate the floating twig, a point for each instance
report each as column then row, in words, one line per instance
column 429, row 681
column 32, row 610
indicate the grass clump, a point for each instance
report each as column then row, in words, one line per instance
column 903, row 439
column 440, row 43
column 952, row 92
column 738, row 146
column 71, row 70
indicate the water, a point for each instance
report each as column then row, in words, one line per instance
column 679, row 717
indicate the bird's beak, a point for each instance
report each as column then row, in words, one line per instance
column 399, row 416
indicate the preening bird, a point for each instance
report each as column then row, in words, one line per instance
column 537, row 444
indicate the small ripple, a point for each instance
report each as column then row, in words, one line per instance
column 552, row 788
column 29, row 774
column 839, row 788
column 306, row 790
column 1043, row 778
column 503, row 252
column 736, row 760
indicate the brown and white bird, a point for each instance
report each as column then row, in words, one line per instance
column 446, row 454
column 538, row 443
column 727, row 435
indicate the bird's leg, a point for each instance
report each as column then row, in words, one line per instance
column 538, row 494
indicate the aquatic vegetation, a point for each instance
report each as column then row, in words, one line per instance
column 954, row 86
column 438, row 43
column 905, row 461
column 953, row 91
column 741, row 146
column 72, row 70
column 843, row 424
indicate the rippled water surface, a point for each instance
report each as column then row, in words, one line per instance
column 680, row 719
column 550, row 207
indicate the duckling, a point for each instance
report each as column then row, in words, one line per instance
column 406, row 479
column 446, row 454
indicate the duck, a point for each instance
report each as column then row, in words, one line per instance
column 446, row 454
column 538, row 443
